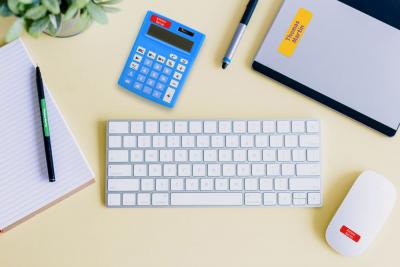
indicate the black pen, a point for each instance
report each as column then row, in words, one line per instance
column 45, row 126
column 239, row 33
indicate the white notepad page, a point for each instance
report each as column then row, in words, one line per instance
column 24, row 185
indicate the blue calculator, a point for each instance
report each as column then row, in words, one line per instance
column 161, row 59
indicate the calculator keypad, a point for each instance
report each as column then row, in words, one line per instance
column 157, row 75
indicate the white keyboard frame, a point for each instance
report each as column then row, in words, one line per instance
column 243, row 191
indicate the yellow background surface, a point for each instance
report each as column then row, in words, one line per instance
column 82, row 74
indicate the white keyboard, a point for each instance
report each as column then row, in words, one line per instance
column 213, row 163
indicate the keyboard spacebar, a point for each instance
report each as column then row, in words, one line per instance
column 206, row 199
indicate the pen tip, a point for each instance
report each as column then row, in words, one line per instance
column 224, row 65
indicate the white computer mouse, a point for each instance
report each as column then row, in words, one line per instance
column 361, row 215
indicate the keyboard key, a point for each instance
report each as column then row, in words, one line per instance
column 166, row 155
column 313, row 155
column 284, row 155
column 196, row 155
column 143, row 199
column 298, row 126
column 123, row 184
column 137, row 155
column 144, row 141
column 269, row 155
column 118, row 127
column 169, row 170
column 140, row 170
column 114, row 199
column 214, row 170
column 166, row 127
column 266, row 184
column 163, row 79
column 151, row 54
column 118, row 155
column 243, row 169
column 262, row 140
column 188, row 141
column 291, row 141
column 269, row 199
column 210, row 127
column 181, row 127
column 114, row 141
column 284, row 199
column 299, row 155
column 239, row 155
column 276, row 141
column 181, row 68
column 305, row 184
column 225, row 155
column 195, row 127
column 221, row 184
column 269, row 126
column 173, row 141
column 288, row 169
column 203, row 141
column 225, row 127
column 254, row 155
column 199, row 170
column 154, row 75
column 254, row 126
column 206, row 184
column 157, row 67
column 128, row 199
column 129, row 141
column 181, row 155
column 283, row 126
column 281, row 184
column 247, row 141
column 210, row 155
column 314, row 199
column 162, row 185
column 251, row 184
column 273, row 169
column 206, row 199
column 309, row 140
column 159, row 141
column 235, row 184
column 308, row 169
column 239, row 126
column 151, row 156
column 167, row 71
column 229, row 170
column 155, row 170
column 192, row 184
column 299, row 201
column 147, row 184
column 312, row 126
column 177, row 184
column 137, row 127
column 119, row 170
column 231, row 141
column 252, row 199
column 160, row 199
column 258, row 169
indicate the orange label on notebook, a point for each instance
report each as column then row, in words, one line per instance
column 295, row 32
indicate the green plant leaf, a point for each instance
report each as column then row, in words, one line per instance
column 15, row 30
column 26, row 2
column 110, row 9
column 4, row 10
column 81, row 3
column 36, row 12
column 13, row 6
column 55, row 24
column 97, row 13
column 52, row 5
column 109, row 2
column 71, row 12
column 38, row 26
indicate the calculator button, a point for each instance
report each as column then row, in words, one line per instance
column 184, row 61
column 141, row 50
column 160, row 59
column 170, row 63
column 130, row 73
column 148, row 62
column 128, row 81
column 154, row 75
column 150, row 82
column 147, row 90
column 167, row 71
column 156, row 94
column 173, row 56
column 141, row 78
column 138, row 85
column 181, row 68
column 163, row 78
column 151, row 55
column 169, row 95
column 160, row 86
column 134, row 65
column 157, row 67
column 174, row 83
column 177, row 75
column 144, row 70
column 137, row 57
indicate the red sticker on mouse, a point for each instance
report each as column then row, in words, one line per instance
column 350, row 233
column 160, row 21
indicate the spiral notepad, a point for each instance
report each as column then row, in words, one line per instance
column 24, row 186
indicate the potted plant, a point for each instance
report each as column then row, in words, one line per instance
column 59, row 18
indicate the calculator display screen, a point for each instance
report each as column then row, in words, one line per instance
column 170, row 38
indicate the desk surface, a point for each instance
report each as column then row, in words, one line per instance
column 82, row 74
